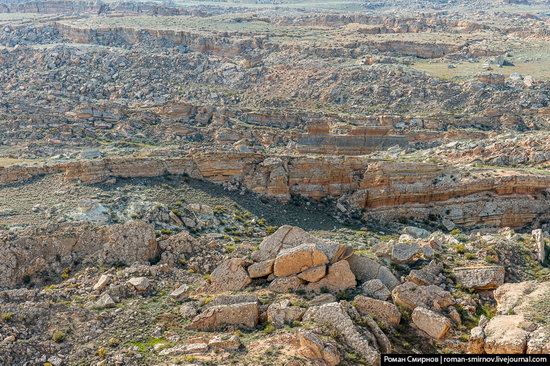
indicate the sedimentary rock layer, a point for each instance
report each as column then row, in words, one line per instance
column 383, row 190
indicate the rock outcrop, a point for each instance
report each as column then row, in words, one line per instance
column 480, row 278
column 37, row 252
column 520, row 325
column 240, row 315
column 502, row 198
column 433, row 324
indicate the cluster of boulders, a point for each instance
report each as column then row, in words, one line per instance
column 521, row 324
column 292, row 260
column 301, row 291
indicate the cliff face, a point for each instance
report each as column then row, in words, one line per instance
column 221, row 44
column 382, row 190
column 39, row 252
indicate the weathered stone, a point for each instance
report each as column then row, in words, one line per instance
column 313, row 274
column 176, row 248
column 103, row 281
column 225, row 343
column 410, row 295
column 480, row 278
column 295, row 260
column 105, row 301
column 434, row 324
column 405, row 252
column 335, row 317
column 425, row 276
column 476, row 342
column 538, row 235
column 132, row 242
column 226, row 299
column 188, row 310
column 322, row 299
column 229, row 276
column 261, row 269
column 376, row 289
column 366, row 269
column 286, row 284
column 510, row 295
column 243, row 315
column 181, row 293
column 539, row 341
column 416, row 232
column 387, row 277
column 339, row 277
column 282, row 313
column 504, row 336
column 363, row 267
column 140, row 283
column 311, row 347
column 378, row 309
column 517, row 327
column 285, row 237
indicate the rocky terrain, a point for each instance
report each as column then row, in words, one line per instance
column 275, row 183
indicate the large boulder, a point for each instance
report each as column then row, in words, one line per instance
column 176, row 247
column 39, row 253
column 285, row 237
column 376, row 289
column 481, row 277
column 261, row 269
column 410, row 295
column 378, row 309
column 432, row 323
column 313, row 348
column 313, row 274
column 416, row 232
column 229, row 276
column 339, row 277
column 427, row 275
column 286, row 284
column 335, row 317
column 241, row 315
column 521, row 324
column 282, row 313
column 295, row 260
column 405, row 252
column 503, row 335
column 366, row 269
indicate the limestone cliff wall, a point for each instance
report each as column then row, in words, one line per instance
column 383, row 190
column 221, row 43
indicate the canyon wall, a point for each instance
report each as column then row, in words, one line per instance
column 382, row 190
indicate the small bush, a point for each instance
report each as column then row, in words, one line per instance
column 101, row 352
column 113, row 342
column 455, row 232
column 7, row 316
column 269, row 328
column 460, row 248
column 58, row 336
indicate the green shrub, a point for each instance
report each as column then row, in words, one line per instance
column 58, row 336
column 7, row 316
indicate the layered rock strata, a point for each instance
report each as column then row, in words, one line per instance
column 383, row 190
